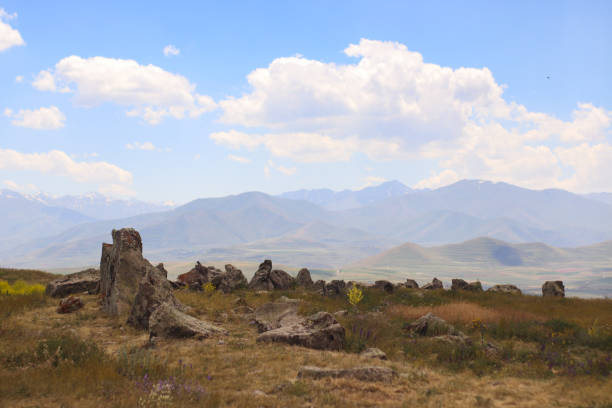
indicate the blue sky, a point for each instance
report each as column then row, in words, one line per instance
column 277, row 96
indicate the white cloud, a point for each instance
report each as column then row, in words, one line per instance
column 107, row 176
column 436, row 180
column 391, row 104
column 19, row 79
column 140, row 146
column 148, row 91
column 287, row 171
column 21, row 188
column 9, row 37
column 41, row 118
column 170, row 50
column 197, row 156
column 238, row 159
column 372, row 181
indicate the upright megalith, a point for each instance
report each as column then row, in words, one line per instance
column 304, row 279
column 121, row 269
column 267, row 278
column 231, row 280
column 553, row 288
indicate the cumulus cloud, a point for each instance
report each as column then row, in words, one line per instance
column 106, row 175
column 170, row 50
column 238, row 159
column 40, row 119
column 148, row 91
column 270, row 165
column 19, row 79
column 392, row 104
column 9, row 37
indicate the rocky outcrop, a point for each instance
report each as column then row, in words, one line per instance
column 411, row 284
column 384, row 285
column 121, row 269
column 271, row 316
column 231, row 280
column 435, row 284
column 430, row 326
column 168, row 321
column 304, row 279
column 511, row 289
column 553, row 288
column 69, row 305
column 319, row 287
column 320, row 331
column 373, row 352
column 153, row 291
column 198, row 276
column 460, row 284
column 367, row 374
column 84, row 281
column 335, row 287
column 268, row 279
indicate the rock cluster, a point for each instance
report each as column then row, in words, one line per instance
column 267, row 278
column 79, row 282
column 460, row 284
column 129, row 283
column 411, row 284
column 511, row 289
column 384, row 285
column 198, row 276
column 553, row 288
column 435, row 284
column 231, row 280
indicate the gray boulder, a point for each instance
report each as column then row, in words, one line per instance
column 270, row 316
column 553, row 288
column 435, row 284
column 411, row 284
column 168, row 321
column 268, row 279
column 384, row 285
column 320, row 331
column 84, row 281
column 460, row 284
column 430, row 326
column 511, row 289
column 121, row 269
column 304, row 279
column 281, row 279
column 231, row 280
column 335, row 287
column 373, row 352
column 367, row 374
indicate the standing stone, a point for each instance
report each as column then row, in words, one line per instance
column 435, row 284
column 121, row 270
column 84, row 281
column 474, row 286
column 384, row 285
column 459, row 284
column 303, row 278
column 335, row 287
column 282, row 280
column 553, row 288
column 231, row 280
column 411, row 284
column 268, row 279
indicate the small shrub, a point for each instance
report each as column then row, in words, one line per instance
column 67, row 348
column 20, row 288
column 355, row 295
column 209, row 288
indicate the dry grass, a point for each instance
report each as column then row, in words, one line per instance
column 235, row 371
column 461, row 312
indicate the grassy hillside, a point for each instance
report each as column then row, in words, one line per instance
column 525, row 351
column 27, row 275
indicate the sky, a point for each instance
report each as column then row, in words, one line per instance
column 162, row 101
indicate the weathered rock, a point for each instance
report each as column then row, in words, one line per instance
column 553, row 288
column 341, row 313
column 153, row 290
column 231, row 280
column 474, row 286
column 69, row 305
column 384, row 285
column 459, row 284
column 373, row 352
column 199, row 275
column 319, row 331
column 304, row 279
column 505, row 289
column 382, row 374
column 168, row 321
column 319, row 286
column 430, row 326
column 281, row 279
column 84, row 281
column 411, row 284
column 435, row 284
column 261, row 278
column 335, row 287
column 270, row 316
column 121, row 269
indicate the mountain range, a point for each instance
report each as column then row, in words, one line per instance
column 317, row 228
